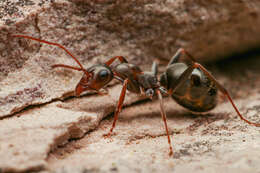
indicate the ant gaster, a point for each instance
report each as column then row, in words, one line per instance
column 191, row 86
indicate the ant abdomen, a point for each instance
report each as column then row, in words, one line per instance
column 198, row 93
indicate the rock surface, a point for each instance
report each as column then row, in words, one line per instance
column 29, row 136
column 215, row 142
column 142, row 31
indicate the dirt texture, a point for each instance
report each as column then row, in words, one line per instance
column 41, row 120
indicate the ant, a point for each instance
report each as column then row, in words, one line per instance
column 191, row 86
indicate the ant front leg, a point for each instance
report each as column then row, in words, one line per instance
column 119, row 107
column 194, row 65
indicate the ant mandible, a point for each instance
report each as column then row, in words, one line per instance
column 191, row 86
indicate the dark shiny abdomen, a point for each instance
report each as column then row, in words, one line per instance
column 200, row 104
column 197, row 98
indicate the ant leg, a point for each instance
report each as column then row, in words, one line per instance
column 119, row 107
column 155, row 68
column 50, row 43
column 111, row 60
column 176, row 57
column 225, row 92
column 184, row 77
column 164, row 120
column 219, row 86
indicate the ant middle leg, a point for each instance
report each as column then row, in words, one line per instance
column 155, row 68
column 163, row 114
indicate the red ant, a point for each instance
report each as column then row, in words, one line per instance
column 191, row 86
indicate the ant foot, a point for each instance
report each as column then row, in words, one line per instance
column 108, row 136
column 171, row 154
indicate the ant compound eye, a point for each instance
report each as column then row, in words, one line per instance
column 103, row 74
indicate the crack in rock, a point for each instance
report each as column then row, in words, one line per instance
column 31, row 135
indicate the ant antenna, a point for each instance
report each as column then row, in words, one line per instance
column 58, row 45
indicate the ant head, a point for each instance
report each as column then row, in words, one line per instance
column 94, row 78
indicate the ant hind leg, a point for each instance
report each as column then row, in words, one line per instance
column 219, row 86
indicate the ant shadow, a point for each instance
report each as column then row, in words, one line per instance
column 180, row 117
